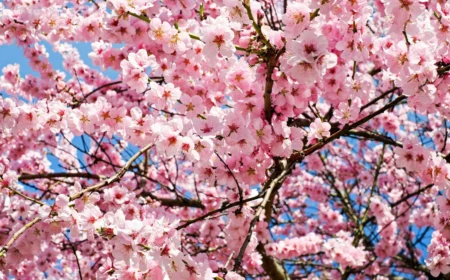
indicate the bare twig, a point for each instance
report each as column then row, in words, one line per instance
column 74, row 250
column 241, row 195
column 114, row 178
column 77, row 104
column 223, row 208
column 179, row 201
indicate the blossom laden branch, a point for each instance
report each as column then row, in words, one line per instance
column 25, row 196
column 74, row 250
column 4, row 249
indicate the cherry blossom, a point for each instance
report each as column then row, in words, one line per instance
column 218, row 41
column 233, row 139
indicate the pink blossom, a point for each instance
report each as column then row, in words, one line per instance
column 348, row 112
column 218, row 41
column 160, row 32
column 191, row 106
column 319, row 130
column 296, row 19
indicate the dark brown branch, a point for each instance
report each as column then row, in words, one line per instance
column 268, row 110
column 180, row 201
column 241, row 195
column 374, row 71
column 223, row 208
column 442, row 70
column 26, row 176
column 405, row 198
column 375, row 136
column 74, row 250
column 376, row 99
column 77, row 104
column 345, row 129
column 275, row 181
column 367, row 135
column 446, row 136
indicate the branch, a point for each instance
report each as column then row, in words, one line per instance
column 74, row 250
column 270, row 265
column 376, row 99
column 268, row 110
column 446, row 136
column 141, row 17
column 441, row 71
column 95, row 3
column 374, row 183
column 241, row 196
column 375, row 137
column 374, row 71
column 26, row 176
column 271, row 64
column 403, row 199
column 180, row 201
column 225, row 207
column 256, row 26
column 275, row 181
column 114, row 178
column 16, row 235
column 345, row 129
column 78, row 103
column 25, row 196
column 367, row 135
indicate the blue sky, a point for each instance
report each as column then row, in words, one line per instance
column 11, row 54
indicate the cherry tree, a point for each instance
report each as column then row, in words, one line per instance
column 242, row 139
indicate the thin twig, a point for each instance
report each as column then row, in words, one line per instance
column 223, row 208
column 229, row 259
column 74, row 250
column 25, row 196
column 376, row 99
column 77, row 104
column 241, row 195
column 446, row 136
column 114, row 178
